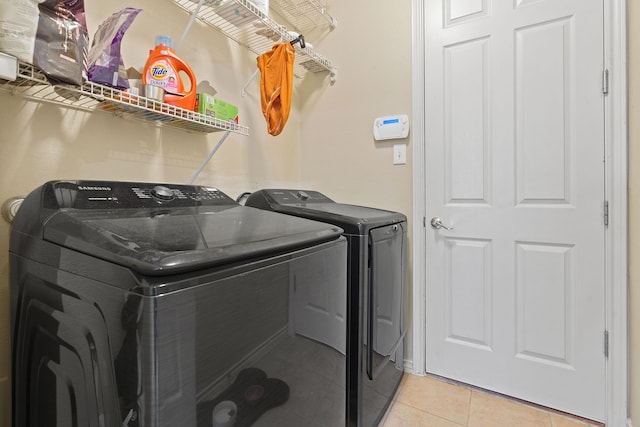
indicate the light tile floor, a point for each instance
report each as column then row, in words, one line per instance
column 432, row 402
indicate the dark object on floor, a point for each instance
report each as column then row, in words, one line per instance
column 252, row 392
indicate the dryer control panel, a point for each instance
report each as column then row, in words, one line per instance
column 296, row 197
column 109, row 194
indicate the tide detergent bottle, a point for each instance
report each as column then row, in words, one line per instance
column 163, row 68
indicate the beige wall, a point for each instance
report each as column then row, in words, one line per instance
column 338, row 151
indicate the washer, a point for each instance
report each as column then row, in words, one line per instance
column 376, row 296
column 141, row 304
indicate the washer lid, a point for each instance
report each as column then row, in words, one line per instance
column 174, row 241
column 160, row 237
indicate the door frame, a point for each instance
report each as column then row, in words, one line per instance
column 616, row 175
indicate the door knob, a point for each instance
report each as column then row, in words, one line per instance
column 437, row 224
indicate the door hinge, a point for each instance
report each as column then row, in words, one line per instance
column 424, row 222
column 606, row 214
column 606, row 343
column 605, row 82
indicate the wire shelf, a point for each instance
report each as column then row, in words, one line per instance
column 243, row 22
column 31, row 83
column 304, row 14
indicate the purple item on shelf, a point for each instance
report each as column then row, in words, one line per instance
column 105, row 61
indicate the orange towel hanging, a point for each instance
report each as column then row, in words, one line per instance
column 276, row 85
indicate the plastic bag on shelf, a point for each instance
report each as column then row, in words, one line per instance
column 105, row 60
column 50, row 34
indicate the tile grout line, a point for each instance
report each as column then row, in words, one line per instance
column 469, row 407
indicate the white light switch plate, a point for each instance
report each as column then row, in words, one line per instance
column 400, row 154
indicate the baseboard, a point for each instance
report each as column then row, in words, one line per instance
column 408, row 367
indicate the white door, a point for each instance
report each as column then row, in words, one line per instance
column 515, row 164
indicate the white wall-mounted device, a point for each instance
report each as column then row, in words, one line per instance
column 391, row 127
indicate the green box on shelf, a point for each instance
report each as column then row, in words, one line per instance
column 209, row 106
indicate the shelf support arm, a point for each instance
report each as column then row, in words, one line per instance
column 252, row 78
column 193, row 18
column 201, row 168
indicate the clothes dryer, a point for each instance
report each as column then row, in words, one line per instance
column 376, row 295
column 162, row 305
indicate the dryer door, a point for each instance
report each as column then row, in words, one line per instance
column 385, row 296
